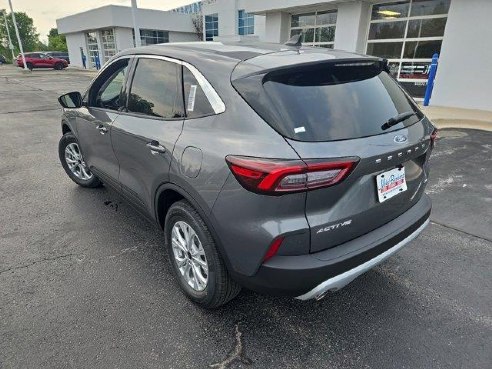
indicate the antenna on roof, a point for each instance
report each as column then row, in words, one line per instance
column 296, row 41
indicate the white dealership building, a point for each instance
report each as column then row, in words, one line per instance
column 406, row 32
column 107, row 30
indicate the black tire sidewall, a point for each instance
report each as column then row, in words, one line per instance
column 29, row 66
column 181, row 211
column 67, row 139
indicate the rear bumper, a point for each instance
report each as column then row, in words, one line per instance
column 341, row 280
column 310, row 276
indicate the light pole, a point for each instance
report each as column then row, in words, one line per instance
column 17, row 34
column 11, row 45
column 136, row 30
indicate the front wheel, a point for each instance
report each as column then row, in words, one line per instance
column 29, row 66
column 73, row 162
column 58, row 66
column 195, row 260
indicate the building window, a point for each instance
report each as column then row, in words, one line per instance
column 211, row 26
column 108, row 44
column 152, row 37
column 408, row 33
column 318, row 27
column 246, row 23
column 92, row 48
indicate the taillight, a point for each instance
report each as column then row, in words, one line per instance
column 276, row 176
column 433, row 137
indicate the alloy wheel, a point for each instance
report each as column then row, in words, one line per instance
column 189, row 255
column 76, row 163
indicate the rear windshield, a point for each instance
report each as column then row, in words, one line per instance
column 328, row 102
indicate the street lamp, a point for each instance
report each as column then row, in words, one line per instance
column 11, row 45
column 17, row 34
column 135, row 25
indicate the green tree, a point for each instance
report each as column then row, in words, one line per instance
column 56, row 42
column 27, row 33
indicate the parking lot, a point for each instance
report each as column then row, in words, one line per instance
column 85, row 283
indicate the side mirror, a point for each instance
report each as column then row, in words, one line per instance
column 71, row 100
column 50, row 57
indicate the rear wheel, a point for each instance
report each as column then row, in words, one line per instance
column 73, row 162
column 29, row 66
column 195, row 260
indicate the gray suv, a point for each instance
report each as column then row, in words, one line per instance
column 283, row 170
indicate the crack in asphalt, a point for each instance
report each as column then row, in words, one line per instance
column 27, row 111
column 461, row 231
column 235, row 354
column 36, row 262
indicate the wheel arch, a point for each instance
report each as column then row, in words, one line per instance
column 175, row 193
column 65, row 128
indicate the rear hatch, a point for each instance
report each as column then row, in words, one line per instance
column 334, row 109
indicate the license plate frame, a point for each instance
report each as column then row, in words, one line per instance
column 391, row 183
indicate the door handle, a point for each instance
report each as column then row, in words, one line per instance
column 156, row 148
column 102, row 130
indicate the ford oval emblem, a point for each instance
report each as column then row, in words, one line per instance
column 400, row 138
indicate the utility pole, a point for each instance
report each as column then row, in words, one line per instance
column 136, row 29
column 17, row 34
column 11, row 45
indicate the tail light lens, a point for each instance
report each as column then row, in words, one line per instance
column 433, row 137
column 276, row 176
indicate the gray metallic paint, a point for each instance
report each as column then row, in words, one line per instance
column 243, row 223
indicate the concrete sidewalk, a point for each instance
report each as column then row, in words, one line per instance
column 445, row 117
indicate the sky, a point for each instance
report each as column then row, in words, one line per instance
column 45, row 12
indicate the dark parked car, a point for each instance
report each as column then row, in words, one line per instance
column 41, row 60
column 287, row 172
column 59, row 54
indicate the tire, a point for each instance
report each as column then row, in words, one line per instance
column 79, row 173
column 29, row 66
column 219, row 288
column 58, row 66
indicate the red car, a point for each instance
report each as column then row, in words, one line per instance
column 41, row 60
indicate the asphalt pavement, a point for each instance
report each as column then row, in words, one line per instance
column 85, row 283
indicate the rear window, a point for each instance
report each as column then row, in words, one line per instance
column 328, row 102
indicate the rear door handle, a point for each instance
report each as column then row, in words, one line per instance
column 156, row 148
column 102, row 130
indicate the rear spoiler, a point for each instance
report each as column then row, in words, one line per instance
column 244, row 71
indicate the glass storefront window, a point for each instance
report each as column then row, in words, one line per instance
column 302, row 20
column 318, row 27
column 383, row 30
column 92, row 48
column 152, row 37
column 433, row 27
column 429, row 7
column 388, row 50
column 390, row 10
column 211, row 26
column 246, row 23
column 108, row 44
column 421, row 49
column 408, row 33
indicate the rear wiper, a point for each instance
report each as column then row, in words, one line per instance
column 399, row 118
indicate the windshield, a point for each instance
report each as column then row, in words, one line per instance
column 330, row 102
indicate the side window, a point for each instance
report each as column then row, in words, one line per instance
column 107, row 90
column 196, row 102
column 156, row 89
